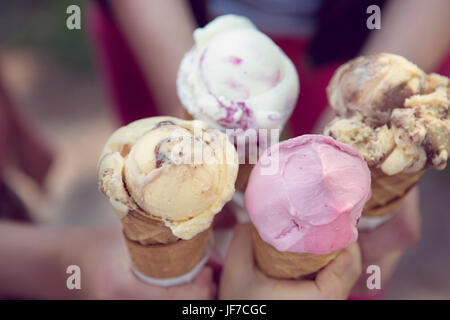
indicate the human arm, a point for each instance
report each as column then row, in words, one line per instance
column 159, row 33
column 34, row 260
column 415, row 29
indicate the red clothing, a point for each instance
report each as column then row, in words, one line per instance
column 132, row 98
column 131, row 95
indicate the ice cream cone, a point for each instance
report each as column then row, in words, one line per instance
column 287, row 265
column 146, row 231
column 169, row 260
column 155, row 252
column 396, row 116
column 389, row 191
column 165, row 201
column 306, row 211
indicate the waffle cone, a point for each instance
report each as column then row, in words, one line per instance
column 146, row 231
column 156, row 252
column 187, row 115
column 286, row 265
column 388, row 191
column 168, row 260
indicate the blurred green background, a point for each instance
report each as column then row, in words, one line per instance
column 41, row 25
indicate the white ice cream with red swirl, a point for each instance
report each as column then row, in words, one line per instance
column 237, row 77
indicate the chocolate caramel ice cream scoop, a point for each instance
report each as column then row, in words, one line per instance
column 178, row 172
column 393, row 113
column 397, row 117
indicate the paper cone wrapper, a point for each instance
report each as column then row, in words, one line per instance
column 156, row 253
column 287, row 265
column 388, row 191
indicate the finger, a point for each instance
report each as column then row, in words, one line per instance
column 238, row 269
column 239, row 260
column 399, row 233
column 241, row 273
column 281, row 289
column 201, row 287
column 409, row 220
column 336, row 280
column 205, row 280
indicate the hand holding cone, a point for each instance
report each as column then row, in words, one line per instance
column 166, row 178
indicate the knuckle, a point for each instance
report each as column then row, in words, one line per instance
column 330, row 285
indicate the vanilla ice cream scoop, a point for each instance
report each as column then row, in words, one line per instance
column 237, row 77
column 179, row 172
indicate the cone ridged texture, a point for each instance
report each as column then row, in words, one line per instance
column 168, row 260
column 286, row 265
column 144, row 230
column 388, row 191
column 156, row 252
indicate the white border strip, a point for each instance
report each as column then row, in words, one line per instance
column 185, row 278
column 370, row 223
column 169, row 282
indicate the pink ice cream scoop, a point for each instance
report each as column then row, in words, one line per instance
column 306, row 194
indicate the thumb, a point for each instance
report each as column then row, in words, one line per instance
column 239, row 261
column 338, row 278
